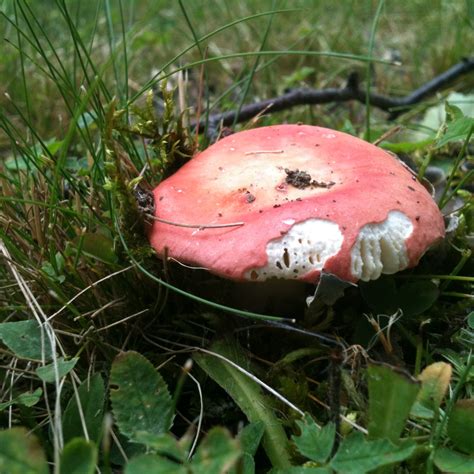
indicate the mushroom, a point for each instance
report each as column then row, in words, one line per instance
column 291, row 201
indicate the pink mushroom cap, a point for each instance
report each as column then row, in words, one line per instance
column 303, row 199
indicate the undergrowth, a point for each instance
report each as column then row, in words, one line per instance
column 114, row 361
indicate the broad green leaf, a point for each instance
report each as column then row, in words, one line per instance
column 461, row 425
column 79, row 457
column 356, row 455
column 415, row 297
column 25, row 339
column 407, row 147
column 154, row 464
column 217, row 453
column 91, row 395
column 434, row 383
column 457, row 130
column 418, row 410
column 249, row 439
column 470, row 320
column 251, row 436
column 99, row 246
column 296, row 77
column 248, row 396
column 315, row 443
column 164, row 444
column 447, row 460
column 128, row 450
column 302, row 470
column 452, row 111
column 27, row 399
column 391, row 396
column 17, row 163
column 139, row 395
column 47, row 373
column 21, row 453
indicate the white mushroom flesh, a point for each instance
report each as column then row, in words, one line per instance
column 304, row 248
column 380, row 248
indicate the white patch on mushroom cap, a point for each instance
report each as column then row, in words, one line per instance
column 304, row 248
column 380, row 248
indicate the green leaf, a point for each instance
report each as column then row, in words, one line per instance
column 461, row 425
column 456, row 130
column 27, row 399
column 250, row 438
column 315, row 443
column 91, row 394
column 139, row 395
column 418, row 410
column 470, row 320
column 21, row 453
column 24, row 339
column 79, row 457
column 391, row 396
column 356, row 455
column 47, row 372
column 407, row 147
column 164, row 444
column 447, row 460
column 153, row 464
column 248, row 396
column 217, row 453
column 98, row 246
column 17, row 163
column 415, row 297
column 453, row 112
column 302, row 470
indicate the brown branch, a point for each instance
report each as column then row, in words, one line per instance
column 394, row 105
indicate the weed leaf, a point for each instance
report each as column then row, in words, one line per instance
column 457, row 130
column 20, row 453
column 91, row 394
column 140, row 397
column 461, row 425
column 79, row 457
column 447, row 460
column 25, row 340
column 248, row 396
column 98, row 246
column 164, row 444
column 151, row 463
column 415, row 297
column 47, row 373
column 302, row 470
column 27, row 399
column 391, row 396
column 250, row 438
column 315, row 443
column 356, row 455
column 217, row 453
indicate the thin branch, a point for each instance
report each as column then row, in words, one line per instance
column 196, row 226
column 352, row 91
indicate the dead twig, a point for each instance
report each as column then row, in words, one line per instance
column 352, row 91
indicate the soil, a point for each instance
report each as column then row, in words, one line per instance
column 302, row 179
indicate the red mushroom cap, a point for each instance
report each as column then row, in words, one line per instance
column 307, row 198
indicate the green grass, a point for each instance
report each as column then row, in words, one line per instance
column 85, row 110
